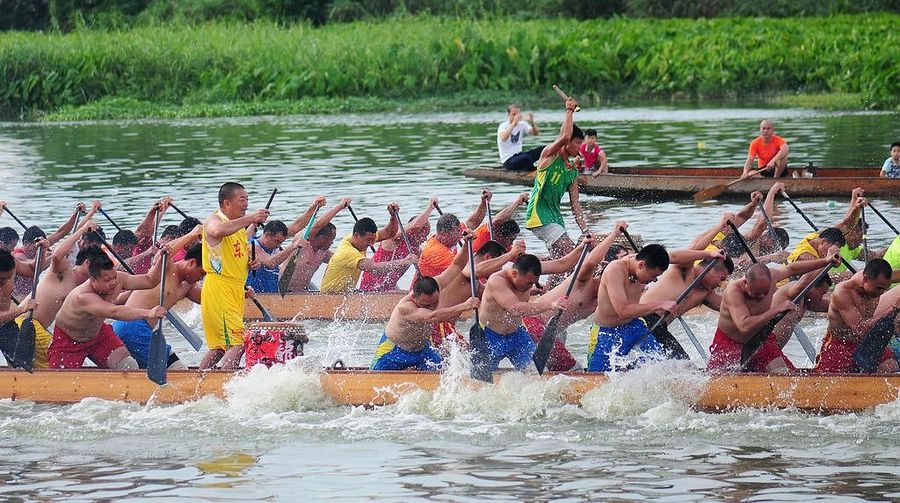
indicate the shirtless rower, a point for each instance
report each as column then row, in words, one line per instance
column 851, row 316
column 746, row 308
column 816, row 300
column 317, row 250
column 59, row 280
column 9, row 330
column 81, row 330
column 417, row 230
column 618, row 327
column 406, row 341
column 504, row 303
column 350, row 260
column 181, row 282
column 582, row 302
column 685, row 266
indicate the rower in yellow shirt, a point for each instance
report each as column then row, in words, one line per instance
column 349, row 260
column 226, row 260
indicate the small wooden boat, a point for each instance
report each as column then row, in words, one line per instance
column 683, row 183
column 823, row 393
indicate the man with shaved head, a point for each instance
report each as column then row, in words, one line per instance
column 770, row 151
column 746, row 308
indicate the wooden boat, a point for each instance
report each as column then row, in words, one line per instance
column 824, row 393
column 683, row 183
column 374, row 307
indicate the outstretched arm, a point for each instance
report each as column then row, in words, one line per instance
column 508, row 212
column 565, row 135
column 477, row 216
column 389, row 230
column 705, row 239
column 64, row 229
column 421, row 220
column 303, row 219
column 598, row 254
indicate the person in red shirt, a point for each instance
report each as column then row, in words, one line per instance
column 770, row 151
column 593, row 155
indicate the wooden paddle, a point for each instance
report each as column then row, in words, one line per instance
column 353, row 214
column 865, row 231
column 23, row 356
column 814, row 228
column 406, row 240
column 868, row 353
column 713, row 192
column 545, row 344
column 193, row 339
column 113, row 222
column 481, row 353
column 6, row 208
column 564, row 96
column 183, row 214
column 755, row 342
column 490, row 219
column 288, row 274
column 158, row 357
column 769, row 226
column 883, row 219
column 253, row 244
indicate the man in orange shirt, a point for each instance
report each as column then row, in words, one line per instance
column 770, row 151
column 438, row 254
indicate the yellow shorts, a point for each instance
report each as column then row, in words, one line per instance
column 222, row 312
column 42, row 339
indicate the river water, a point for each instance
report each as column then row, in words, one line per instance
column 278, row 437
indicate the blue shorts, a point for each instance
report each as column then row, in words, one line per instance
column 389, row 356
column 605, row 342
column 136, row 337
column 517, row 346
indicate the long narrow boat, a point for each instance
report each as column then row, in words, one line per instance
column 322, row 306
column 823, row 393
column 682, row 183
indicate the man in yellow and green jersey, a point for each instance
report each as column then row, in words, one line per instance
column 556, row 174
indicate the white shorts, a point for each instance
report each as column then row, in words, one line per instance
column 549, row 233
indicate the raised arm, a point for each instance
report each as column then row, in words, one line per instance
column 477, row 216
column 144, row 231
column 566, row 263
column 58, row 262
column 95, row 206
column 303, row 219
column 747, row 211
column 851, row 217
column 508, row 212
column 598, row 254
column 64, row 229
column 705, row 239
column 421, row 220
column 563, row 138
column 326, row 218
column 389, row 230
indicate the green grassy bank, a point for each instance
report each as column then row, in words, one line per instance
column 423, row 63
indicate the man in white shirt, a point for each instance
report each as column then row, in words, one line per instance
column 509, row 140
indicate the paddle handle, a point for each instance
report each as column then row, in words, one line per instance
column 183, row 214
column 742, row 241
column 490, row 220
column 162, row 285
column 472, row 277
column 310, row 224
column 13, row 215
column 883, row 219
column 355, row 219
column 406, row 240
column 798, row 210
column 156, row 226
column 690, row 333
column 271, row 196
column 631, row 242
column 564, row 96
column 769, row 225
column 113, row 222
column 865, row 231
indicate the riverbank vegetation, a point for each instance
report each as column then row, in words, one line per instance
column 237, row 68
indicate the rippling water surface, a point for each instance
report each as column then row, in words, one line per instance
column 278, row 437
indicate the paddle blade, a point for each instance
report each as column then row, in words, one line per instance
column 710, row 193
column 481, row 354
column 545, row 345
column 23, row 357
column 285, row 280
column 193, row 339
column 158, row 357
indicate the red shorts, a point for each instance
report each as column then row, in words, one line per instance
column 725, row 354
column 65, row 353
column 560, row 359
column 444, row 330
column 836, row 355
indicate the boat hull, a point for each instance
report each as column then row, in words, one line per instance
column 683, row 183
column 823, row 393
column 324, row 306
